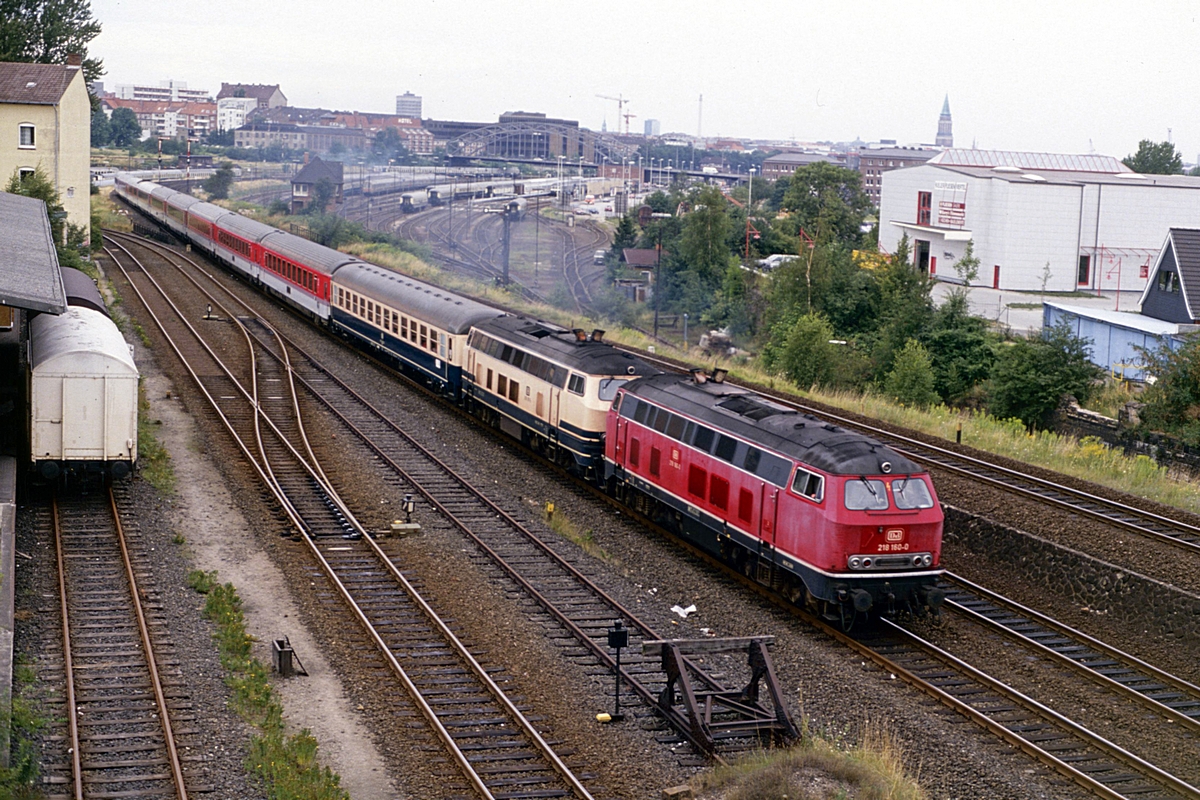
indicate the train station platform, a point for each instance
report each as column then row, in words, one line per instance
column 8, row 552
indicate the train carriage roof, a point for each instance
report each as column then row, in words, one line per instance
column 245, row 227
column 324, row 259
column 80, row 342
column 82, row 291
column 434, row 305
column 561, row 345
column 160, row 191
column 208, row 211
column 757, row 419
column 184, row 201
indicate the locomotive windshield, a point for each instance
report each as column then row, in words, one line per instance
column 609, row 387
column 911, row 493
column 866, row 495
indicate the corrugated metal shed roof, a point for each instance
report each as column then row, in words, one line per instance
column 1045, row 161
column 1122, row 319
column 29, row 275
column 414, row 298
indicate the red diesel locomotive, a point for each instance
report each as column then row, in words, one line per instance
column 826, row 516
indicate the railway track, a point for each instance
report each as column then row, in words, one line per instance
column 498, row 750
column 125, row 694
column 1125, row 675
column 582, row 610
column 1152, row 525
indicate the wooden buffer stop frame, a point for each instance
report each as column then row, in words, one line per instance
column 712, row 712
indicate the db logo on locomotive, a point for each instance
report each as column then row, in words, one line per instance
column 895, row 534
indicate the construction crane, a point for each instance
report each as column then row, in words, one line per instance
column 627, row 115
column 621, row 101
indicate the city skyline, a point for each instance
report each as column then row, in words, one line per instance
column 1020, row 77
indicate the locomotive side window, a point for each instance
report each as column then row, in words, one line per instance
column 609, row 386
column 809, row 484
column 718, row 492
column 911, row 493
column 726, row 447
column 745, row 505
column 866, row 495
column 641, row 411
column 697, row 480
column 773, row 469
column 675, row 427
column 661, row 421
column 704, row 439
column 752, row 458
column 655, row 460
column 576, row 384
column 651, row 415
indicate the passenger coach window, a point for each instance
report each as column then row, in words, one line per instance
column 866, row 495
column 809, row 484
column 911, row 493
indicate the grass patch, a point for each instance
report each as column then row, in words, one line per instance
column 1111, row 398
column 564, row 527
column 154, row 462
column 287, row 765
column 20, row 779
column 817, row 769
column 110, row 214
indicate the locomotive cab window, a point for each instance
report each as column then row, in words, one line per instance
column 911, row 493
column 576, row 384
column 609, row 386
column 808, row 484
column 864, row 494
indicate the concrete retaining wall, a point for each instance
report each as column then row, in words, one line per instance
column 1132, row 599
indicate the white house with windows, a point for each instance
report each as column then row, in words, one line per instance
column 232, row 112
column 45, row 120
column 1070, row 222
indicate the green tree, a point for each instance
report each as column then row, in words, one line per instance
column 126, row 130
column 961, row 348
column 388, row 145
column 1173, row 399
column 828, row 201
column 626, row 234
column 911, row 380
column 704, row 244
column 659, row 202
column 1155, row 159
column 801, row 350
column 101, row 128
column 1030, row 376
column 967, row 267
column 322, row 193
column 219, row 182
column 905, row 310
column 47, row 31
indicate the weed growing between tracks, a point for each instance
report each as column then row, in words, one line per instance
column 20, row 779
column 817, row 769
column 154, row 462
column 567, row 529
column 287, row 765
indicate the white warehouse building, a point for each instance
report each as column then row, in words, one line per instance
column 1039, row 221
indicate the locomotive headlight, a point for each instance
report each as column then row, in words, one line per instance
column 928, row 560
column 866, row 562
column 855, row 562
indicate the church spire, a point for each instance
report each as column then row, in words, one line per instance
column 945, row 134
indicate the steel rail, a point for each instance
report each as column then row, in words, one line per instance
column 945, row 458
column 160, row 697
column 481, row 674
column 1101, row 648
column 68, row 661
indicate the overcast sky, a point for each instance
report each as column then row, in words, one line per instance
column 1062, row 77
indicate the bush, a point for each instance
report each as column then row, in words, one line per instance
column 911, row 381
column 801, row 350
column 1031, row 376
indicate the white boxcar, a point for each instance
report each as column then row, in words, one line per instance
column 83, row 396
